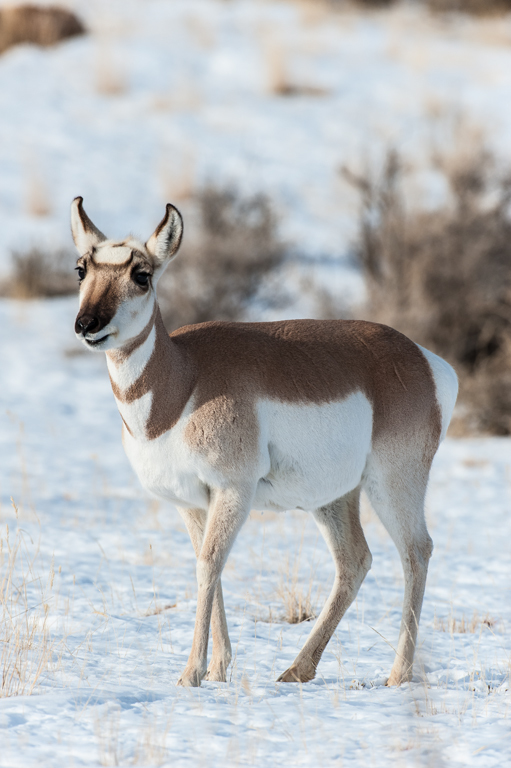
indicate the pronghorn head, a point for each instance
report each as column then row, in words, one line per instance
column 118, row 279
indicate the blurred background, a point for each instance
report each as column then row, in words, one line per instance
column 330, row 158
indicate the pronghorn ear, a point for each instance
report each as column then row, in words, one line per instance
column 166, row 239
column 85, row 234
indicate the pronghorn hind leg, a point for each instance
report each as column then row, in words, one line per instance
column 195, row 521
column 397, row 495
column 339, row 523
column 228, row 511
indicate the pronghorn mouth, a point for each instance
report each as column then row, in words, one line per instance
column 96, row 342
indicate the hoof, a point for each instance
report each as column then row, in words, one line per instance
column 216, row 674
column 397, row 679
column 190, row 679
column 297, row 674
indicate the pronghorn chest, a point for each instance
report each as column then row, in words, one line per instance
column 167, row 468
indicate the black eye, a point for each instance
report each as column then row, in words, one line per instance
column 141, row 278
column 81, row 273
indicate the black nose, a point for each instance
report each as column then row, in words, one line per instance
column 86, row 324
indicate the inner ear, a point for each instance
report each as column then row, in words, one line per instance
column 166, row 239
column 85, row 234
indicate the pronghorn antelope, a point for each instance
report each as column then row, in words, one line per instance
column 221, row 418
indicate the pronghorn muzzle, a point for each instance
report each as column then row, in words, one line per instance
column 87, row 324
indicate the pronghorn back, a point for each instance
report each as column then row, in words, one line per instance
column 317, row 361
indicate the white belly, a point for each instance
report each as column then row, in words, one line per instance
column 317, row 453
column 309, row 455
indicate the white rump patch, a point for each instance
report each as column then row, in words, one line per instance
column 446, row 384
column 108, row 253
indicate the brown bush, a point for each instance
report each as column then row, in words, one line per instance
column 35, row 24
column 475, row 7
column 444, row 277
column 39, row 273
column 232, row 261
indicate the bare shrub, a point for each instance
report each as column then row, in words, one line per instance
column 375, row 3
column 443, row 277
column 475, row 7
column 39, row 273
column 231, row 263
column 35, row 24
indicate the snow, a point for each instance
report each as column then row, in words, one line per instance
column 121, row 609
column 159, row 95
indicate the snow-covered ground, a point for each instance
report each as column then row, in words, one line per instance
column 164, row 96
column 111, row 594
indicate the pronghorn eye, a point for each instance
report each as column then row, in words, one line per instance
column 81, row 273
column 141, row 278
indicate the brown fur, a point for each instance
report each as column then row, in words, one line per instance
column 310, row 361
column 228, row 365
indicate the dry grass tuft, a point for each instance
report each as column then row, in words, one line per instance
column 443, row 277
column 300, row 602
column 279, row 80
column 26, row 646
column 157, row 609
column 39, row 273
column 232, row 262
column 38, row 198
column 43, row 26
column 109, row 74
column 297, row 601
column 452, row 625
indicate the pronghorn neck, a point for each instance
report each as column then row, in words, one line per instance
column 151, row 380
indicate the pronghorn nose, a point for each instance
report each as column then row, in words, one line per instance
column 86, row 324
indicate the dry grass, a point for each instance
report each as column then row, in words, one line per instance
column 298, row 601
column 109, row 74
column 231, row 263
column 300, row 598
column 443, row 277
column 39, row 273
column 477, row 623
column 38, row 198
column 279, row 80
column 43, row 26
column 26, row 646
column 150, row 748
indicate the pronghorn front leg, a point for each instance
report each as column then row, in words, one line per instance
column 228, row 511
column 195, row 521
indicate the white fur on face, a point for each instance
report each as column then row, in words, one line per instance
column 109, row 253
